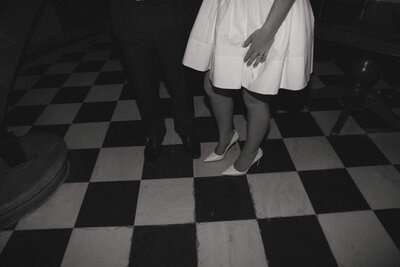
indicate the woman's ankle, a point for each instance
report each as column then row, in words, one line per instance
column 223, row 142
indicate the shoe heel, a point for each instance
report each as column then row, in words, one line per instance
column 258, row 162
column 236, row 145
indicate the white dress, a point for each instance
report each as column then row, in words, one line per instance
column 222, row 26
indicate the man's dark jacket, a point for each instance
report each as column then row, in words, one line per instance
column 124, row 15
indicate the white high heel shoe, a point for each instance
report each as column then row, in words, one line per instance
column 231, row 171
column 215, row 157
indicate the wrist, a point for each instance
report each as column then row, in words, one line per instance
column 268, row 32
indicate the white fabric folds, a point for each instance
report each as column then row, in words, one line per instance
column 222, row 26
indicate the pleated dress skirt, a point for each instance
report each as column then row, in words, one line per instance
column 222, row 26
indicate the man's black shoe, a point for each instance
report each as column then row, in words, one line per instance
column 191, row 145
column 152, row 151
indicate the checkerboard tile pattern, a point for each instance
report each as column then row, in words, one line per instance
column 313, row 200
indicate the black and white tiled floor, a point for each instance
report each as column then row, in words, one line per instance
column 312, row 201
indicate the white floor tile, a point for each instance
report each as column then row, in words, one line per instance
column 230, row 244
column 97, row 55
column 316, row 83
column 58, row 114
column 380, row 185
column 98, row 247
column 358, row 239
column 86, row 135
column 171, row 137
column 327, row 119
column 62, row 68
column 81, row 79
column 164, row 91
column 112, row 65
column 126, row 110
column 19, row 130
column 312, row 153
column 60, row 211
column 389, row 144
column 25, row 82
column 273, row 132
column 100, row 93
column 37, row 97
column 4, row 237
column 165, row 201
column 200, row 107
column 279, row 195
column 326, row 68
column 118, row 164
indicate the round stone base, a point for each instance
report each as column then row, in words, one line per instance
column 24, row 188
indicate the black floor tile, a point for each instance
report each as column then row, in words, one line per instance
column 370, row 122
column 38, row 69
column 357, row 150
column 390, row 219
column 59, row 129
column 14, row 96
column 174, row 162
column 297, row 124
column 115, row 54
column 110, row 77
column 35, row 248
column 109, row 204
column 24, row 115
column 103, row 46
column 51, row 81
column 125, row 133
column 168, row 245
column 276, row 158
column 321, row 53
column 128, row 92
column 325, row 103
column 95, row 112
column 81, row 164
column 389, row 96
column 333, row 80
column 10, row 227
column 71, row 57
column 295, row 241
column 332, row 191
column 89, row 66
column 222, row 199
column 288, row 100
column 206, row 129
column 71, row 95
column 397, row 167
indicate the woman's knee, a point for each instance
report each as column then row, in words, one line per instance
column 251, row 100
column 209, row 90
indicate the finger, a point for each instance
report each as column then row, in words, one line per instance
column 263, row 58
column 249, row 53
column 251, row 59
column 248, row 41
column 257, row 61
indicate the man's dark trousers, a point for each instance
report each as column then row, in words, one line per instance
column 155, row 45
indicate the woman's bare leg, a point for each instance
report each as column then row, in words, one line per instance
column 222, row 107
column 258, row 117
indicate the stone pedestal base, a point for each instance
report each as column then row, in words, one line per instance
column 25, row 187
